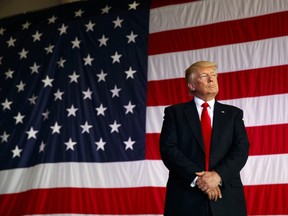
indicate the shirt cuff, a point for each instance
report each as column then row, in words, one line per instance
column 193, row 184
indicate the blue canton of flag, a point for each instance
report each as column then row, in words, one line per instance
column 73, row 84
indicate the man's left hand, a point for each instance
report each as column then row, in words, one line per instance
column 208, row 180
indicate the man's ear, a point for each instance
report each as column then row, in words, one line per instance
column 191, row 86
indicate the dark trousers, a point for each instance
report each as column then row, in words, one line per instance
column 206, row 209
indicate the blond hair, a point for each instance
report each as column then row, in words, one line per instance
column 197, row 65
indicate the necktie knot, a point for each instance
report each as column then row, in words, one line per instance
column 205, row 105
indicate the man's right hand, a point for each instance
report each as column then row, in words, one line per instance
column 214, row 194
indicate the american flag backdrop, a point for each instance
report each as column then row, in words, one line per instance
column 83, row 87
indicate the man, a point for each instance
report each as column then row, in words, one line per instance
column 197, row 186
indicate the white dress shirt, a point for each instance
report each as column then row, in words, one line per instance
column 210, row 109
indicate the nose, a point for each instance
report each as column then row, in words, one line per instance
column 212, row 77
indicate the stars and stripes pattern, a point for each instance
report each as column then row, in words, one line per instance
column 73, row 83
column 81, row 107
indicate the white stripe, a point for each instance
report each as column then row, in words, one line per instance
column 258, row 170
column 261, row 170
column 234, row 57
column 97, row 175
column 264, row 110
column 258, row 111
column 207, row 12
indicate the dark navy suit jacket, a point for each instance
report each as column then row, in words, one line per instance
column 182, row 151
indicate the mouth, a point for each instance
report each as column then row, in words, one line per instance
column 211, row 86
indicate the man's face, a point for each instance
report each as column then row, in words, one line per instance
column 204, row 83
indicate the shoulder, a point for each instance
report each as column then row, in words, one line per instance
column 227, row 107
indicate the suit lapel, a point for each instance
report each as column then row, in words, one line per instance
column 194, row 122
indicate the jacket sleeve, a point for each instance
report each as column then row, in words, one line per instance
column 178, row 164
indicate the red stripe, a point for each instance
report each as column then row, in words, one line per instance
column 267, row 199
column 249, row 83
column 148, row 200
column 229, row 32
column 152, row 146
column 126, row 201
column 264, row 140
column 165, row 92
column 253, row 83
column 161, row 3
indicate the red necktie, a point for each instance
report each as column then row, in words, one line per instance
column 206, row 132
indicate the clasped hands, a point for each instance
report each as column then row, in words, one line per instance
column 209, row 183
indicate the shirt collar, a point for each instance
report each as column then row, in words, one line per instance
column 199, row 102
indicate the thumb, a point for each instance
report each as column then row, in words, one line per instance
column 200, row 173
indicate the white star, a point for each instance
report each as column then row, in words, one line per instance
column 61, row 62
column 76, row 43
column 114, row 127
column 87, row 94
column 9, row 73
column 34, row 68
column 101, row 76
column 100, row 110
column 103, row 41
column 116, row 57
column 131, row 37
column 56, row 128
column 4, row 137
column 20, row 86
column 89, row 26
column 31, row 133
column 115, row 91
column 11, row 42
column 72, row 111
column 49, row 49
column 106, row 9
column 26, row 25
column 19, row 118
column 41, row 147
column 47, row 81
column 63, row 29
column 100, row 144
column 52, row 19
column 79, row 13
column 129, row 144
column 32, row 99
column 88, row 60
column 70, row 144
column 6, row 104
column 16, row 152
column 118, row 22
column 130, row 73
column 58, row 95
column 129, row 108
column 2, row 30
column 133, row 5
column 23, row 53
column 74, row 77
column 36, row 36
column 85, row 127
column 46, row 114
